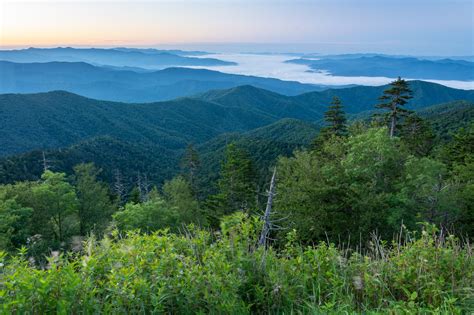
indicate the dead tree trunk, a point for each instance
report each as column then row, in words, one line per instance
column 266, row 217
column 45, row 163
column 118, row 187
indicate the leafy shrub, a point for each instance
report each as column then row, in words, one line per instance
column 225, row 273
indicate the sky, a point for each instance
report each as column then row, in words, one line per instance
column 416, row 27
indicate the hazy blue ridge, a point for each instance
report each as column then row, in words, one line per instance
column 383, row 66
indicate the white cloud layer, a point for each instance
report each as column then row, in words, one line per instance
column 274, row 66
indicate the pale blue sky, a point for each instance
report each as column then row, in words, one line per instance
column 428, row 27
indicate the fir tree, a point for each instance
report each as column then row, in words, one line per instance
column 336, row 123
column 335, row 117
column 393, row 100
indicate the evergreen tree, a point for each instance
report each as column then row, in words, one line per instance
column 336, row 123
column 393, row 100
column 335, row 117
column 134, row 195
column 237, row 184
column 95, row 207
column 190, row 165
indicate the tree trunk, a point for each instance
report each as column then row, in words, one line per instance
column 268, row 210
column 392, row 126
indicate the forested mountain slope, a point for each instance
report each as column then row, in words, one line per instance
column 159, row 163
column 361, row 98
column 59, row 119
column 447, row 118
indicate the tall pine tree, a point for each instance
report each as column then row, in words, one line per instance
column 336, row 123
column 393, row 100
column 336, row 118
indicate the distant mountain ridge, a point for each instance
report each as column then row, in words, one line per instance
column 121, row 57
column 122, row 84
column 383, row 66
column 362, row 98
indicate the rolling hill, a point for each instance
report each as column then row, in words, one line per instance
column 58, row 119
column 131, row 158
column 160, row 163
column 447, row 118
column 362, row 98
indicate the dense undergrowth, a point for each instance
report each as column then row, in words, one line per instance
column 197, row 271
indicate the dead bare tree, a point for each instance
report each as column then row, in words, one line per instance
column 143, row 187
column 119, row 188
column 267, row 224
column 46, row 162
column 146, row 187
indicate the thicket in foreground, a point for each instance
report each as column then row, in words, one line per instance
column 201, row 272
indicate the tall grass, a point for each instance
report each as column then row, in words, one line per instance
column 225, row 273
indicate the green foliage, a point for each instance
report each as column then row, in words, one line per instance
column 335, row 118
column 179, row 195
column 265, row 145
column 461, row 149
column 190, row 165
column 95, row 208
column 367, row 182
column 418, row 135
column 459, row 156
column 336, row 123
column 14, row 223
column 464, row 177
column 446, row 119
column 356, row 188
column 55, row 208
column 204, row 273
column 148, row 216
column 427, row 188
column 393, row 100
column 237, row 184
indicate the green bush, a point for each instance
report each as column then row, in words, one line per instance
column 225, row 273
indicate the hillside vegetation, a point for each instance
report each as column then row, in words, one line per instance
column 264, row 213
column 201, row 272
column 58, row 119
